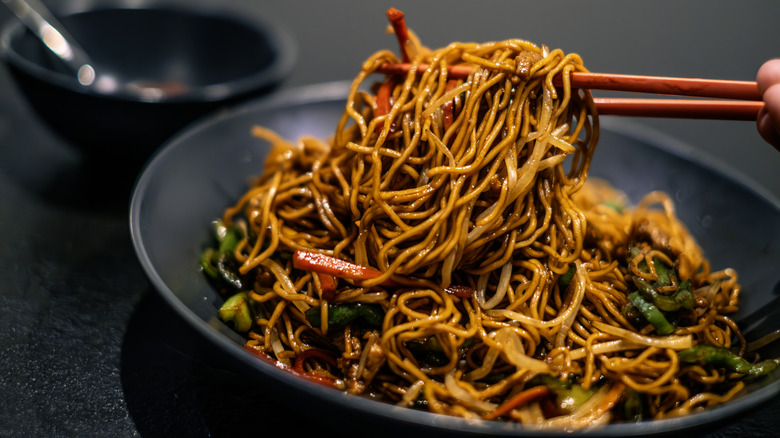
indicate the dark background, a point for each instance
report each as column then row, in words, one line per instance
column 86, row 346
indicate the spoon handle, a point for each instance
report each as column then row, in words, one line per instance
column 37, row 17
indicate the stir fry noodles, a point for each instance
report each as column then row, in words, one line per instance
column 443, row 251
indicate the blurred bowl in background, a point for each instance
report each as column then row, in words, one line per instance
column 209, row 55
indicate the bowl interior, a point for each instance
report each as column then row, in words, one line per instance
column 212, row 52
column 200, row 172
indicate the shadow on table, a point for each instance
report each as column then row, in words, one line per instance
column 176, row 384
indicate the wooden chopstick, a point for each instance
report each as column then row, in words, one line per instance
column 679, row 108
column 745, row 108
column 717, row 88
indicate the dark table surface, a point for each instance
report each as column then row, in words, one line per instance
column 89, row 349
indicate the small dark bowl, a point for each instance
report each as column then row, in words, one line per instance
column 220, row 56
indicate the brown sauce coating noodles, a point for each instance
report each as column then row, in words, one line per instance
column 478, row 183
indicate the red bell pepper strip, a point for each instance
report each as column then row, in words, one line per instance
column 328, row 284
column 315, row 353
column 460, row 291
column 383, row 104
column 524, row 397
column 265, row 357
column 396, row 18
column 325, row 264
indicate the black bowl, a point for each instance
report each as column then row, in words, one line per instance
column 203, row 170
column 218, row 55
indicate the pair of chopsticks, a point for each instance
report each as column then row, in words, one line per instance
column 742, row 99
column 736, row 100
column 733, row 100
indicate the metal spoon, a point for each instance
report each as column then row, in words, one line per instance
column 37, row 17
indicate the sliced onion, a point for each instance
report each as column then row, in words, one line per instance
column 581, row 279
column 446, row 97
column 464, row 397
column 551, row 162
column 479, row 293
column 277, row 346
column 514, row 352
column 475, row 233
column 604, row 348
column 764, row 340
column 672, row 341
column 280, row 274
column 486, row 367
column 561, row 144
column 411, row 394
column 442, row 148
column 448, row 266
column 573, row 306
column 530, row 414
column 593, row 412
column 287, row 284
column 503, row 285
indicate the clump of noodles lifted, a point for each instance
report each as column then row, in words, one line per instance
column 435, row 252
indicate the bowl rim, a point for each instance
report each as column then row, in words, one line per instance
column 319, row 93
column 280, row 39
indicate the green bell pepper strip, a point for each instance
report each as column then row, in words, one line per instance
column 568, row 395
column 565, row 278
column 216, row 262
column 228, row 237
column 724, row 358
column 664, row 271
column 339, row 315
column 208, row 260
column 651, row 313
column 682, row 298
column 633, row 406
column 238, row 311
